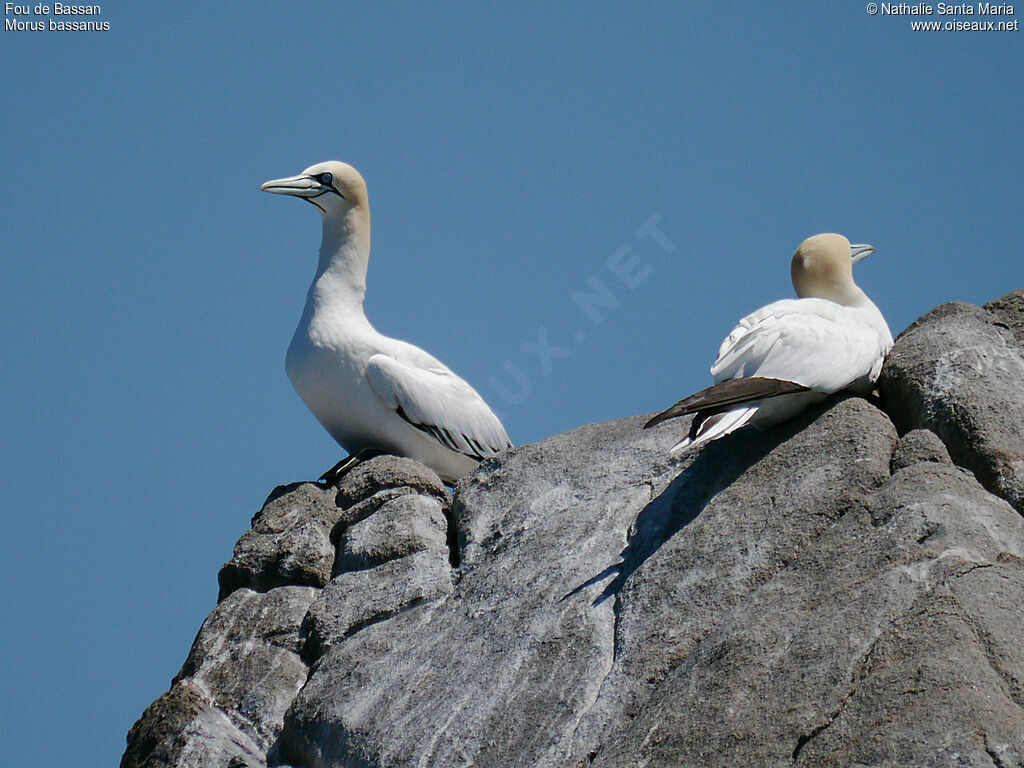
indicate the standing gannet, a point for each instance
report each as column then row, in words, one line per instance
column 795, row 352
column 374, row 394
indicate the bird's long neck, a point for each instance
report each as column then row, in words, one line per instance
column 838, row 289
column 344, row 255
column 850, row 295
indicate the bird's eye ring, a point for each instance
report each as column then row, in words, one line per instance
column 324, row 178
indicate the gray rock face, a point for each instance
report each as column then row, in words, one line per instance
column 959, row 372
column 290, row 542
column 225, row 707
column 876, row 645
column 1010, row 311
column 510, row 653
column 387, row 562
column 916, row 446
column 825, row 593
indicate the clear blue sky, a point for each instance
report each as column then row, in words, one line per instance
column 150, row 289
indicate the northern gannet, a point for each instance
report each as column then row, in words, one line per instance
column 374, row 394
column 795, row 352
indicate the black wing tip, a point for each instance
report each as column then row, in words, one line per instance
column 660, row 417
column 684, row 407
column 476, row 450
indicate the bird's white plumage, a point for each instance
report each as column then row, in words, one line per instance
column 815, row 342
column 370, row 391
column 440, row 403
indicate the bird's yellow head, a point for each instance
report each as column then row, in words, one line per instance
column 822, row 268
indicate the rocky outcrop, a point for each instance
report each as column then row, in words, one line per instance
column 959, row 372
column 285, row 598
column 843, row 590
column 289, row 544
column 226, row 705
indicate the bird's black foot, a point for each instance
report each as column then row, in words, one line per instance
column 335, row 473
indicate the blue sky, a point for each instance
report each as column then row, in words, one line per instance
column 512, row 155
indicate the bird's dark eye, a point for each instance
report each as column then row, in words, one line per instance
column 324, row 178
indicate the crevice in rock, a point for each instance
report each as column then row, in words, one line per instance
column 452, row 533
column 357, row 504
column 370, row 565
column 617, row 608
column 617, row 601
column 860, row 672
column 280, row 638
column 269, row 583
column 1009, row 685
column 599, row 687
column 995, row 757
column 313, row 647
column 286, row 751
column 931, row 529
column 357, row 511
column 383, row 616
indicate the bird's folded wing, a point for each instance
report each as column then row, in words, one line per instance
column 719, row 397
column 440, row 404
column 813, row 342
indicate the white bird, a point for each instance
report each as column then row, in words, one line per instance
column 374, row 394
column 793, row 353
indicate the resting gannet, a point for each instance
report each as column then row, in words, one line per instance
column 374, row 394
column 795, row 352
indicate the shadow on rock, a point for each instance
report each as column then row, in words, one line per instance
column 716, row 467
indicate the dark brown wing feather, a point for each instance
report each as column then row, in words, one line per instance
column 720, row 396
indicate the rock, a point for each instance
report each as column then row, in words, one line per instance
column 159, row 737
column 355, row 600
column 1010, row 310
column 226, row 706
column 841, row 590
column 739, row 514
column 957, row 371
column 916, row 446
column 385, row 473
column 402, row 526
column 289, row 542
column 569, row 607
column 392, row 551
column 876, row 646
column 492, row 665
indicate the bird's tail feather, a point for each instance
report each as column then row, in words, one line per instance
column 714, row 426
